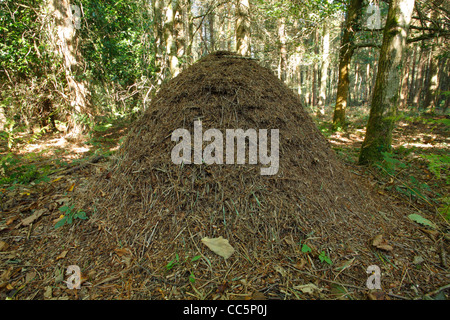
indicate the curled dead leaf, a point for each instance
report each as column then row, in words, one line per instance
column 381, row 243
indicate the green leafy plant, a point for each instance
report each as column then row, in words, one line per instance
column 305, row 248
column 324, row 258
column 69, row 215
column 444, row 208
column 14, row 170
column 173, row 262
column 192, row 277
column 437, row 164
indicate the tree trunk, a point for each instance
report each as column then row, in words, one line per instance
column 65, row 43
column 433, row 81
column 345, row 56
column 403, row 101
column 384, row 106
column 158, row 6
column 324, row 68
column 243, row 27
column 283, row 50
column 315, row 70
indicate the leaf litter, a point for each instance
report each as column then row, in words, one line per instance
column 141, row 201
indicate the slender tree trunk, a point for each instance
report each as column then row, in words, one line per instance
column 345, row 55
column 420, row 78
column 403, row 100
column 324, row 68
column 315, row 69
column 282, row 47
column 411, row 87
column 243, row 27
column 63, row 35
column 433, row 81
column 384, row 106
column 158, row 6
column 188, row 30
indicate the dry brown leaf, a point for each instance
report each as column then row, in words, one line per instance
column 377, row 295
column 122, row 252
column 219, row 246
column 62, row 255
column 70, row 189
column 3, row 246
column 300, row 264
column 11, row 220
column 257, row 295
column 30, row 276
column 36, row 215
column 308, row 288
column 381, row 243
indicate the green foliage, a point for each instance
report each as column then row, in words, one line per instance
column 412, row 188
column 324, row 258
column 437, row 164
column 389, row 163
column 444, row 208
column 15, row 170
column 113, row 45
column 69, row 215
column 419, row 219
column 18, row 27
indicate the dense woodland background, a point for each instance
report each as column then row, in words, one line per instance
column 77, row 67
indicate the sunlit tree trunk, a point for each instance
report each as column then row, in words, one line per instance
column 384, row 105
column 282, row 47
column 158, row 6
column 243, row 27
column 345, row 56
column 433, row 80
column 324, row 68
column 63, row 35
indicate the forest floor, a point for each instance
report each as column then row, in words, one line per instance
column 41, row 171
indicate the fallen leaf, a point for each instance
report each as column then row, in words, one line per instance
column 3, row 246
column 11, row 220
column 418, row 260
column 48, row 292
column 309, row 288
column 122, row 252
column 377, row 295
column 257, row 295
column 30, row 276
column 300, row 264
column 381, row 243
column 219, row 246
column 62, row 255
column 70, row 189
column 36, row 215
column 419, row 219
